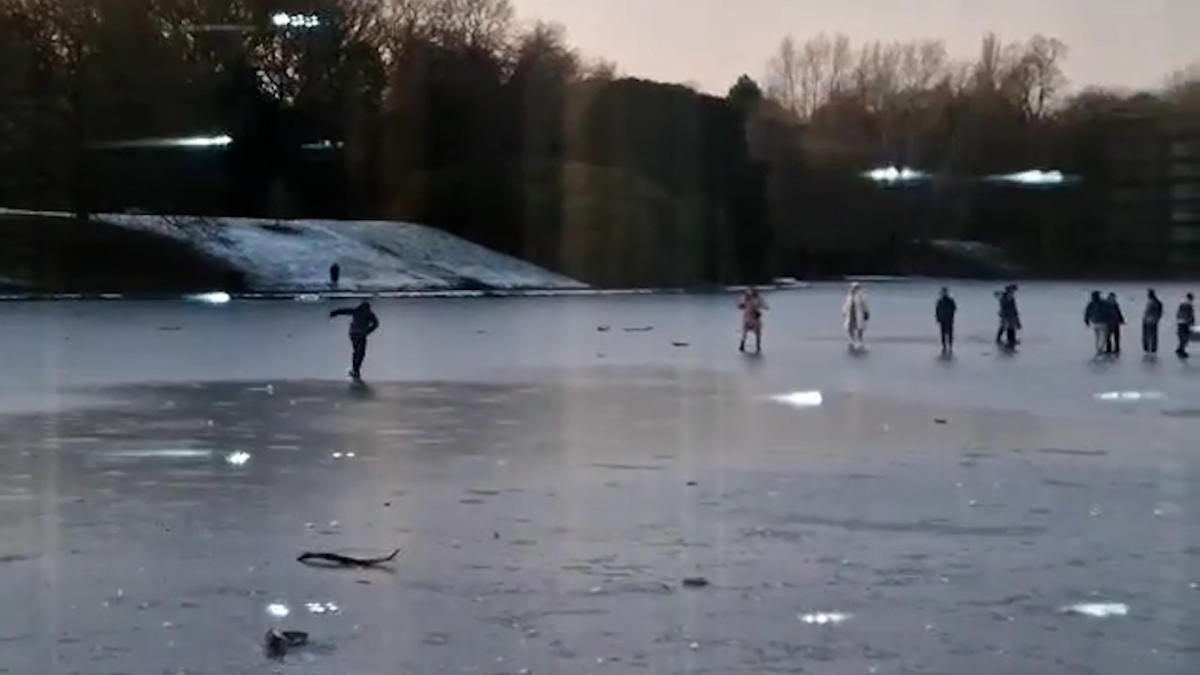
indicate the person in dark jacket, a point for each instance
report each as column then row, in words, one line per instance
column 1114, row 319
column 335, row 274
column 944, row 313
column 363, row 322
column 1010, row 317
column 1094, row 317
column 1150, row 319
column 1185, row 320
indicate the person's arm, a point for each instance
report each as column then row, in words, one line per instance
column 345, row 311
column 372, row 323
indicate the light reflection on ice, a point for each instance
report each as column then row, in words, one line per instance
column 237, row 458
column 1098, row 610
column 1130, row 396
column 824, row 618
column 800, row 399
column 278, row 610
column 322, row 607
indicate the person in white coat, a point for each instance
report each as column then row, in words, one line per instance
column 856, row 314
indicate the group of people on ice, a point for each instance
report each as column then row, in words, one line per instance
column 1103, row 315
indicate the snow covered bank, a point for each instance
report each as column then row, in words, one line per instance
column 295, row 255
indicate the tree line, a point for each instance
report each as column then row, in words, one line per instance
column 454, row 113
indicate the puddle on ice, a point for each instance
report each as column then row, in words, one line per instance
column 1098, row 610
column 800, row 399
column 824, row 618
column 278, row 610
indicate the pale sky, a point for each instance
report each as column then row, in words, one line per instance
column 1126, row 43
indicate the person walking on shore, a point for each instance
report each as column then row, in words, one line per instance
column 857, row 314
column 944, row 313
column 1150, row 319
column 1185, row 320
column 363, row 322
column 752, row 306
column 1115, row 319
column 1094, row 318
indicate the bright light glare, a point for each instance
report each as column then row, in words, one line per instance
column 800, row 399
column 1033, row 177
column 285, row 20
column 278, row 610
column 891, row 174
column 214, row 298
column 218, row 141
column 238, row 458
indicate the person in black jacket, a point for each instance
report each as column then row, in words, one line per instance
column 1010, row 317
column 944, row 313
column 1185, row 320
column 363, row 322
column 1094, row 317
column 1113, row 319
column 1150, row 319
column 335, row 274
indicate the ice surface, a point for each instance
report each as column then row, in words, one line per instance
column 548, row 504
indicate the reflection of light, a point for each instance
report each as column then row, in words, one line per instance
column 322, row 607
column 891, row 174
column 322, row 145
column 278, row 610
column 285, row 20
column 1130, row 396
column 1032, row 177
column 1098, row 610
column 214, row 298
column 800, row 399
column 238, row 458
column 824, row 618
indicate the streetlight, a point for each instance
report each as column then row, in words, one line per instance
column 1034, row 178
column 891, row 175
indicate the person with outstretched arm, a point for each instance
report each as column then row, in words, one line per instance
column 363, row 322
column 1185, row 320
column 944, row 313
column 1150, row 319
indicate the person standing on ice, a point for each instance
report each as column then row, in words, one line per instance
column 363, row 322
column 1150, row 319
column 335, row 274
column 752, row 306
column 944, row 313
column 1185, row 321
column 1094, row 316
column 856, row 314
column 1115, row 319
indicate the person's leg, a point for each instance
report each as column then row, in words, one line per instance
column 949, row 336
column 360, row 353
column 1117, row 339
column 1183, row 334
column 1146, row 338
column 742, row 345
column 1154, row 338
column 758, row 339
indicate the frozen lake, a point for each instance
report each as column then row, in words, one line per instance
column 550, row 484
